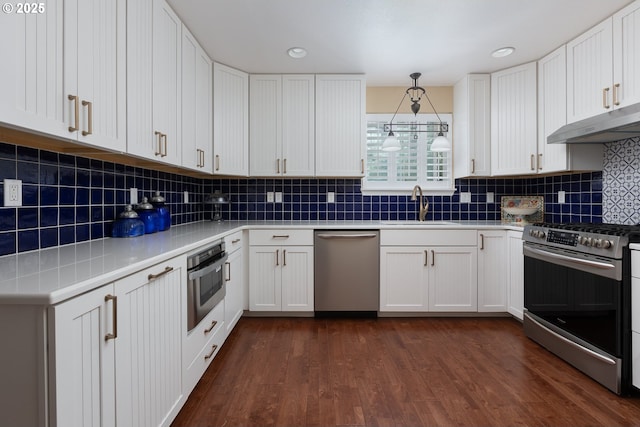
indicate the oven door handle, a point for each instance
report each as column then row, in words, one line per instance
column 589, row 263
column 592, row 353
column 200, row 272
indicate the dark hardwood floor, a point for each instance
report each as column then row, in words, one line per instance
column 396, row 372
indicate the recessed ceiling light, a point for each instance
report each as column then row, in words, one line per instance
column 297, row 52
column 502, row 52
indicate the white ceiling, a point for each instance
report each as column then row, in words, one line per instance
column 387, row 39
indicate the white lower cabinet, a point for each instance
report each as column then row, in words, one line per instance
column 281, row 276
column 418, row 277
column 492, row 276
column 635, row 318
column 234, row 281
column 115, row 351
column 515, row 275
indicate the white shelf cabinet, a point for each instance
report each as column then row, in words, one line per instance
column 197, row 105
column 230, row 121
column 428, row 271
column 281, row 270
column 602, row 66
column 340, row 125
column 154, row 81
column 492, row 276
column 552, row 114
column 514, row 121
column 472, row 126
column 65, row 72
column 282, row 119
column 515, row 274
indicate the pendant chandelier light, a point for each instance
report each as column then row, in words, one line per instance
column 415, row 92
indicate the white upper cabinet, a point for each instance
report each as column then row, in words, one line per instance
column 514, row 121
column 340, row 125
column 281, row 123
column 197, row 104
column 552, row 114
column 472, row 126
column 230, row 121
column 65, row 70
column 603, row 71
column 153, row 81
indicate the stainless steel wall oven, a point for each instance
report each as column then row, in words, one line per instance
column 205, row 282
column 577, row 296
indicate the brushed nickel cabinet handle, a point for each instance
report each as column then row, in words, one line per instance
column 616, row 88
column 433, row 258
column 284, row 257
column 362, row 166
column 166, row 270
column 75, row 127
column 210, row 328
column 164, row 153
column 228, row 264
column 473, row 165
column 158, row 151
column 533, row 157
column 113, row 335
column 234, row 241
column 217, row 162
column 284, row 166
column 540, row 161
column 481, row 241
column 280, row 236
column 426, row 257
column 605, row 98
column 89, row 106
column 213, row 350
column 277, row 166
column 277, row 257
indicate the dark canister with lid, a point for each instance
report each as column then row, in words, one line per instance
column 149, row 216
column 128, row 224
column 158, row 202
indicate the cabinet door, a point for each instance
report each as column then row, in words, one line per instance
column 265, row 124
column 234, row 281
column 297, row 278
column 492, row 276
column 32, row 94
column 340, row 125
column 167, row 77
column 265, row 278
column 298, row 125
column 516, row 274
column 513, row 121
column 472, row 126
column 453, row 278
column 197, row 102
column 626, row 56
column 82, row 361
column 590, row 73
column 552, row 110
column 230, row 121
column 403, row 279
column 149, row 344
column 99, row 66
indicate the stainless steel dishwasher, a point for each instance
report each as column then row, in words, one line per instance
column 347, row 272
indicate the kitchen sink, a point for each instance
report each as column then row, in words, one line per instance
column 418, row 223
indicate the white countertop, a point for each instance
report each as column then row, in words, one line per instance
column 49, row 276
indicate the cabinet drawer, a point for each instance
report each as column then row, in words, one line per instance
column 281, row 237
column 635, row 263
column 199, row 336
column 195, row 369
column 233, row 241
column 428, row 238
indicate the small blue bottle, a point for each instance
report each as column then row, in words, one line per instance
column 165, row 217
column 149, row 216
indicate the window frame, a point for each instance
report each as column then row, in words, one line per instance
column 429, row 187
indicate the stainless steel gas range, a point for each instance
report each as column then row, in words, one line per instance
column 577, row 296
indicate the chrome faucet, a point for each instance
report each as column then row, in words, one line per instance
column 423, row 208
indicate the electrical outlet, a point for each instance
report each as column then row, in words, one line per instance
column 278, row 196
column 270, row 198
column 331, row 197
column 133, row 196
column 12, row 192
column 561, row 197
column 465, row 197
column 490, row 198
column 186, row 197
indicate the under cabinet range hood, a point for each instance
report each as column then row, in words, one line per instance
column 606, row 127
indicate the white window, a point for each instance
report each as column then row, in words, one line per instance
column 414, row 164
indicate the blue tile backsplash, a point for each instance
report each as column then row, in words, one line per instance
column 68, row 199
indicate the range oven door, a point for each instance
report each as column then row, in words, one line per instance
column 205, row 289
column 574, row 307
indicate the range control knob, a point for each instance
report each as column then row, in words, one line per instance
column 602, row 243
column 537, row 234
column 586, row 241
